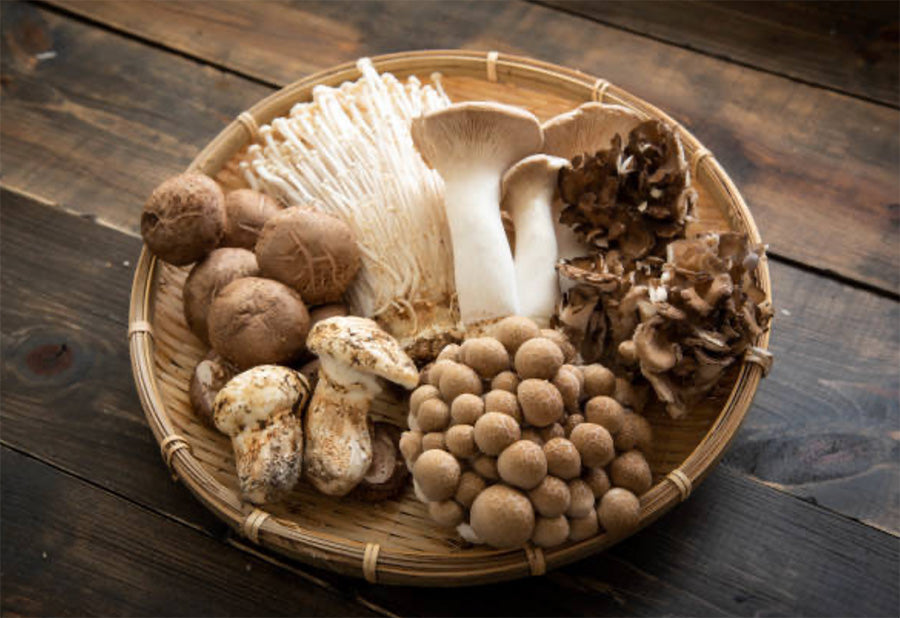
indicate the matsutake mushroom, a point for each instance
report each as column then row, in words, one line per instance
column 354, row 352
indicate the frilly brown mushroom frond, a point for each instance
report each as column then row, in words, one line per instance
column 704, row 313
column 632, row 197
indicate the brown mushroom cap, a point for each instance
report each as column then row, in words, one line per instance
column 631, row 471
column 246, row 212
column 312, row 252
column 502, row 517
column 323, row 312
column 636, row 433
column 582, row 501
column 503, row 402
column 569, row 387
column 560, row 339
column 597, row 480
column 437, row 474
column 594, row 444
column 460, row 440
column 485, row 355
column 605, row 411
column 532, row 435
column 552, row 497
column 505, row 381
column 449, row 352
column 411, row 447
column 420, row 395
column 619, row 511
column 433, row 415
column 563, row 459
column 434, row 440
column 457, row 379
column 486, row 467
column 495, row 431
column 466, row 409
column 207, row 278
column 447, row 513
column 514, row 331
column 522, row 465
column 437, row 370
column 541, row 403
column 550, row 531
column 184, row 218
column 255, row 321
column 549, row 432
column 572, row 421
column 598, row 380
column 581, row 528
column 538, row 358
column 470, row 485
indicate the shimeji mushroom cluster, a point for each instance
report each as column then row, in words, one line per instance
column 511, row 443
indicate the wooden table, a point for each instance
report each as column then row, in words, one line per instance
column 799, row 102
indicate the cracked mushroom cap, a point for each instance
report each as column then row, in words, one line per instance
column 587, row 128
column 362, row 345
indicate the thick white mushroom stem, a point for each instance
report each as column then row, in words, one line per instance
column 471, row 145
column 528, row 191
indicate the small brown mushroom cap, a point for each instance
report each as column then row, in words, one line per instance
column 594, row 444
column 552, row 497
column 619, row 511
column 538, row 358
column 323, row 312
column 255, row 321
column 246, row 212
column 466, row 409
column 411, row 447
column 569, row 387
column 581, row 528
column 636, row 433
column 605, row 411
column 437, row 474
column 486, row 467
column 433, row 415
column 550, row 531
column 522, row 465
column 631, row 471
column 437, row 370
column 312, row 252
column 541, row 402
column 563, row 459
column 434, row 440
column 447, row 513
column 420, row 395
column 572, row 421
column 502, row 517
column 577, row 372
column 458, row 379
column 552, row 431
column 597, row 480
column 532, row 435
column 505, row 381
column 470, row 485
column 628, row 353
column 207, row 278
column 513, row 331
column 582, row 499
column 560, row 339
column 449, row 352
column 184, row 218
column 598, row 380
column 503, row 402
column 629, row 395
column 460, row 440
column 495, row 431
column 485, row 355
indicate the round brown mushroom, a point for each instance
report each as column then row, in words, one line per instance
column 560, row 339
column 631, row 471
column 449, row 352
column 411, row 447
column 598, row 380
column 505, row 381
column 460, row 440
column 538, row 358
column 581, row 528
column 457, row 379
column 552, row 497
column 246, row 212
column 619, row 511
column 541, row 402
column 572, row 421
column 582, row 501
column 207, row 278
column 433, row 415
column 635, row 433
column 503, row 402
column 486, row 467
column 563, row 459
column 522, row 465
column 597, row 480
column 514, row 331
column 550, row 531
column 255, row 321
column 184, row 218
column 605, row 411
column 485, row 355
column 447, row 513
column 569, row 387
column 470, row 485
column 433, row 440
column 420, row 395
column 502, row 517
column 314, row 253
column 495, row 431
column 549, row 432
column 466, row 409
column 594, row 444
column 437, row 474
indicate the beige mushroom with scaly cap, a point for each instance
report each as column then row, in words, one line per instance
column 354, row 352
column 259, row 409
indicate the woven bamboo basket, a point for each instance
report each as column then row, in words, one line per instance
column 394, row 542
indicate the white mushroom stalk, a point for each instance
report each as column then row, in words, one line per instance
column 349, row 153
column 471, row 145
column 528, row 191
column 354, row 352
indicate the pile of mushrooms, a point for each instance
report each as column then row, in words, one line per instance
column 511, row 443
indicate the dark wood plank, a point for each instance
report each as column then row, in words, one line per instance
column 83, row 416
column 851, row 47
column 818, row 168
column 71, row 549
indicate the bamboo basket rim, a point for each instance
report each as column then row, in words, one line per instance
column 394, row 566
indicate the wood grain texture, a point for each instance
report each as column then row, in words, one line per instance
column 817, row 168
column 71, row 549
column 847, row 46
column 84, row 417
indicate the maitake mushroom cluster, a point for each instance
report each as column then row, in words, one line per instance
column 509, row 443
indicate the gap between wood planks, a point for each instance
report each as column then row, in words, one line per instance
column 697, row 50
column 228, row 538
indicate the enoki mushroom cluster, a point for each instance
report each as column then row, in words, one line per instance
column 510, row 443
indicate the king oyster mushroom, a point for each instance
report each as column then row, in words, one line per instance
column 354, row 352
